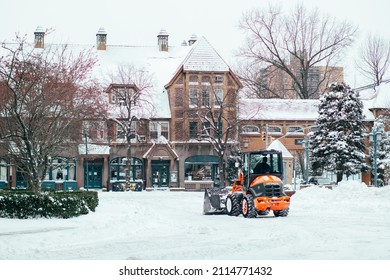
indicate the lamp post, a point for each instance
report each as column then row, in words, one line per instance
column 375, row 136
column 86, row 160
column 305, row 142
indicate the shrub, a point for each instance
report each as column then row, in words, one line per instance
column 26, row 204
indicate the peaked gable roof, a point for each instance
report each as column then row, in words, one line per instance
column 278, row 146
column 162, row 66
column 203, row 57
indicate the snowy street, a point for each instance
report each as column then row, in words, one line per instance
column 350, row 222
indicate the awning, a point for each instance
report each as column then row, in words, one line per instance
column 202, row 159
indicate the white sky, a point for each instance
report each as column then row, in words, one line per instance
column 138, row 22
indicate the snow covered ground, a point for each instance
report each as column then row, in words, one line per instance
column 351, row 222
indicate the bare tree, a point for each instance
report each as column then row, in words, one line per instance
column 133, row 91
column 44, row 93
column 374, row 59
column 294, row 44
column 219, row 125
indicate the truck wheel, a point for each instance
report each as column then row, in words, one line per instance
column 282, row 213
column 248, row 208
column 233, row 205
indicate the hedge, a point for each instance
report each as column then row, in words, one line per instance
column 49, row 204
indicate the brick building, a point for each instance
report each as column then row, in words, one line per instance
column 166, row 150
column 290, row 120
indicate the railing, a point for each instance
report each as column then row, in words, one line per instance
column 198, row 185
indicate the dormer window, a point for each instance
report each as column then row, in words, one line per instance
column 122, row 94
column 113, row 98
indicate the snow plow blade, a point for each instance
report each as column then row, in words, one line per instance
column 215, row 201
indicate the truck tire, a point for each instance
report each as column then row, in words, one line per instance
column 248, row 208
column 281, row 213
column 233, row 204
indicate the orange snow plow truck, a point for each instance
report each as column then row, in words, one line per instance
column 257, row 190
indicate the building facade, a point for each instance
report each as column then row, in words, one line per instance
column 288, row 121
column 165, row 146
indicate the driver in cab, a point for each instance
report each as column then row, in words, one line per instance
column 262, row 167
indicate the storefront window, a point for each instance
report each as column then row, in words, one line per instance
column 201, row 168
column 118, row 169
column 3, row 170
column 61, row 169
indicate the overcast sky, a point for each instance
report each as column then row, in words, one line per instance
column 138, row 22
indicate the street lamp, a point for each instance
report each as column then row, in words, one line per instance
column 86, row 159
column 375, row 136
column 305, row 142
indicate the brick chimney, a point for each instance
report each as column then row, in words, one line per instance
column 39, row 38
column 162, row 39
column 192, row 40
column 101, row 39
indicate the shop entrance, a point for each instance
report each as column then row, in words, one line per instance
column 93, row 174
column 160, row 173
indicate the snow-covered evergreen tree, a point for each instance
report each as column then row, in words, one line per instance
column 234, row 157
column 338, row 142
column 383, row 152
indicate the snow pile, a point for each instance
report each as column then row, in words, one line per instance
column 349, row 222
column 350, row 198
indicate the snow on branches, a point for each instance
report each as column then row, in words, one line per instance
column 338, row 142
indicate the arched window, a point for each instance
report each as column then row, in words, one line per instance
column 295, row 129
column 250, row 129
column 206, row 80
column 274, row 129
column 194, row 80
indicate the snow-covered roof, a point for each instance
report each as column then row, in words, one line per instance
column 287, row 109
column 94, row 149
column 381, row 97
column 160, row 65
column 278, row 146
column 278, row 109
column 39, row 29
column 203, row 57
column 163, row 66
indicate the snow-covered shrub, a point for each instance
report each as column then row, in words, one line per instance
column 26, row 204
